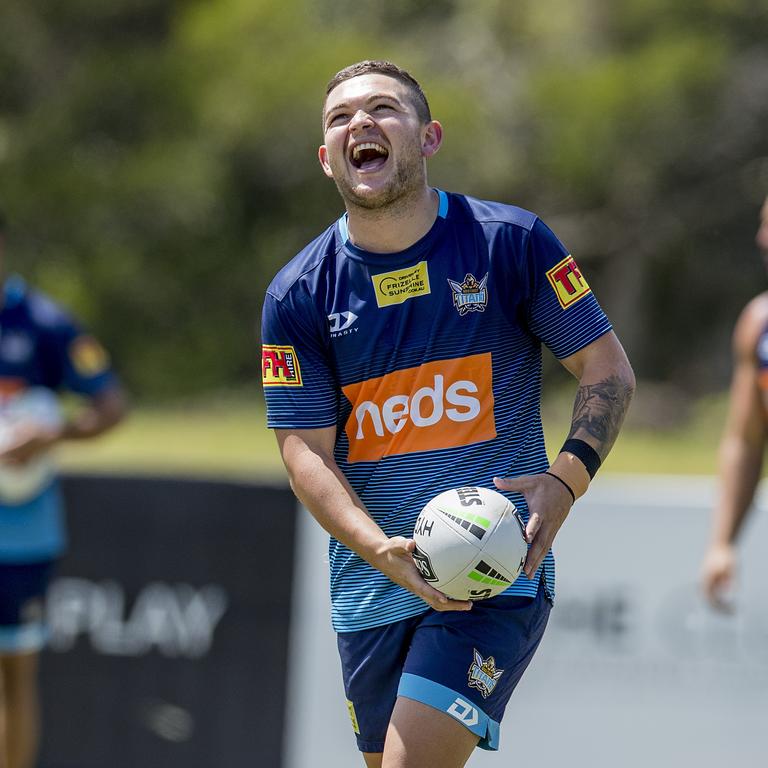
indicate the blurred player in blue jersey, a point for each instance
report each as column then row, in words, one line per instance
column 401, row 357
column 743, row 442
column 42, row 351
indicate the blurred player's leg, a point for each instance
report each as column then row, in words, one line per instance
column 22, row 711
column 372, row 759
column 420, row 735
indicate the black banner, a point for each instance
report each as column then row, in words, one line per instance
column 169, row 623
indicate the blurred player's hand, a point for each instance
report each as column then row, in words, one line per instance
column 29, row 443
column 718, row 574
column 395, row 561
column 548, row 505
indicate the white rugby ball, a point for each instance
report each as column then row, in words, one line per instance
column 35, row 407
column 470, row 543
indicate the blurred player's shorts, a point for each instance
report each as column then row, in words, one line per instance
column 22, row 601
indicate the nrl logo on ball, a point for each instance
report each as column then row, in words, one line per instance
column 483, row 674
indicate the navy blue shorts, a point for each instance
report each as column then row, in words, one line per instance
column 464, row 663
column 22, row 596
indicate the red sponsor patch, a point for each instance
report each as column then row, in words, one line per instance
column 280, row 366
column 568, row 282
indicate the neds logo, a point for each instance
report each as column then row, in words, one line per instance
column 424, row 409
column 443, row 404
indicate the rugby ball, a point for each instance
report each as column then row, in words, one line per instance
column 470, row 543
column 33, row 407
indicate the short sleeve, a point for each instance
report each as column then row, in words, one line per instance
column 299, row 386
column 562, row 310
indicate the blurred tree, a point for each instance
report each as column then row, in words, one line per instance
column 157, row 157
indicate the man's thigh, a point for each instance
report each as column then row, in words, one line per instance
column 372, row 662
column 420, row 735
column 466, row 664
column 463, row 664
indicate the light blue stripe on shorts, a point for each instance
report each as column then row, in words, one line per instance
column 446, row 700
column 25, row 638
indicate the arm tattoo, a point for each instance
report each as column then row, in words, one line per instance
column 599, row 410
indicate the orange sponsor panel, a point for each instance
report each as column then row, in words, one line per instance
column 442, row 404
column 568, row 282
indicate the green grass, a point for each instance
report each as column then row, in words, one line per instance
column 228, row 438
column 220, row 439
column 649, row 443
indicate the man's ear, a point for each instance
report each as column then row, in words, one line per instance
column 432, row 138
column 322, row 156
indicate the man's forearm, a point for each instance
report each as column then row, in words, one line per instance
column 103, row 413
column 740, row 465
column 599, row 410
column 320, row 486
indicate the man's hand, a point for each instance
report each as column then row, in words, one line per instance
column 394, row 559
column 29, row 442
column 718, row 574
column 548, row 505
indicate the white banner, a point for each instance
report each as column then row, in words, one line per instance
column 634, row 670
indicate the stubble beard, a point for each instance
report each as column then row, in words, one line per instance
column 405, row 183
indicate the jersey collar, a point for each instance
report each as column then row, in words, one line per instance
column 442, row 213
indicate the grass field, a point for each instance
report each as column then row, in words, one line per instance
column 227, row 437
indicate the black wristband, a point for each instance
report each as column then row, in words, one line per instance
column 585, row 453
column 567, row 487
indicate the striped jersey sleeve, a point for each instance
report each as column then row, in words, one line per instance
column 562, row 311
column 300, row 388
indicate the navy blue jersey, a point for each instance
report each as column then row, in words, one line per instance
column 42, row 349
column 428, row 363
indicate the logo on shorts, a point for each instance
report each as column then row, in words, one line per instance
column 464, row 712
column 471, row 295
column 280, row 366
column 353, row 717
column 401, row 284
column 483, row 674
column 568, row 282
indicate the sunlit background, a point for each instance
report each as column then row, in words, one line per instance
column 158, row 165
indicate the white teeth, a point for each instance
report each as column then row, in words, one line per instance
column 368, row 145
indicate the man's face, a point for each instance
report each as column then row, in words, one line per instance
column 375, row 144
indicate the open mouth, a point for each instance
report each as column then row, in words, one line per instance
column 368, row 156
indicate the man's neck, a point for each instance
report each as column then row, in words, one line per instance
column 395, row 227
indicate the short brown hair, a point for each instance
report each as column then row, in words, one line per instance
column 381, row 67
